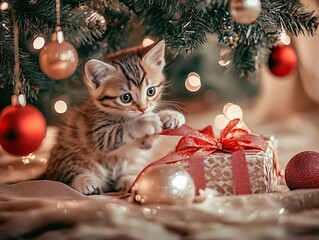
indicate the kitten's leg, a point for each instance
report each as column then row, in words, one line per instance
column 90, row 181
column 146, row 125
column 149, row 141
column 171, row 119
column 87, row 183
column 145, row 128
column 125, row 182
column 120, row 134
column 84, row 175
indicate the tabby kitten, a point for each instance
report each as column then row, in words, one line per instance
column 107, row 141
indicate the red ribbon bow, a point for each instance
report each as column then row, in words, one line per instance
column 195, row 145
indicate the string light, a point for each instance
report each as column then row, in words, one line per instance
column 21, row 100
column 27, row 159
column 220, row 121
column 60, row 106
column 285, row 38
column 232, row 111
column 4, row 6
column 223, row 63
column 192, row 82
column 147, row 42
column 38, row 42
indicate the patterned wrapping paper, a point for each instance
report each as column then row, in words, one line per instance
column 237, row 162
column 261, row 166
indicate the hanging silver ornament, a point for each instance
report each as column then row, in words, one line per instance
column 244, row 11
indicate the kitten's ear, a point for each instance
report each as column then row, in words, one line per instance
column 155, row 57
column 97, row 72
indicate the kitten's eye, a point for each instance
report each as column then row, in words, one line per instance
column 151, row 91
column 126, row 98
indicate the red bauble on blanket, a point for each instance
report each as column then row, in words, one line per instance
column 22, row 129
column 302, row 171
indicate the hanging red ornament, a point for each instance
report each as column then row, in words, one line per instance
column 58, row 59
column 302, row 171
column 22, row 129
column 22, row 126
column 282, row 60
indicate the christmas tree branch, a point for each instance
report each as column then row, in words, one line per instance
column 99, row 27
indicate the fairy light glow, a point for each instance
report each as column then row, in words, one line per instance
column 223, row 63
column 180, row 181
column 22, row 100
column 193, row 82
column 220, row 121
column 38, row 43
column 60, row 106
column 285, row 38
column 147, row 42
column 232, row 111
column 222, row 60
column 67, row 56
column 27, row 159
column 4, row 6
column 251, row 3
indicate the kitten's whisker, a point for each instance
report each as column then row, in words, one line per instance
column 172, row 104
column 168, row 66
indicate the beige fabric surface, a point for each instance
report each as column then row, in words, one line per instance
column 49, row 210
column 40, row 209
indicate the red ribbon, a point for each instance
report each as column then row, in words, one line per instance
column 195, row 145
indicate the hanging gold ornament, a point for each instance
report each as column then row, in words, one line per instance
column 58, row 59
column 244, row 11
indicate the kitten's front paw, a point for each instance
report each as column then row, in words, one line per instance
column 124, row 183
column 87, row 184
column 171, row 119
column 148, row 124
column 148, row 141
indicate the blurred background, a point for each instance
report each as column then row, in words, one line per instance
column 218, row 85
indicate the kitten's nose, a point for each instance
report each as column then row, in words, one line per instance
column 142, row 109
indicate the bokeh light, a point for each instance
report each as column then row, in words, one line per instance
column 192, row 82
column 38, row 42
column 232, row 111
column 4, row 6
column 285, row 38
column 60, row 106
column 147, row 41
column 220, row 121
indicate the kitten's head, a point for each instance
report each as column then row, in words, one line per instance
column 129, row 81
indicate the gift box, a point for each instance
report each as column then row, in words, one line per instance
column 262, row 170
column 237, row 162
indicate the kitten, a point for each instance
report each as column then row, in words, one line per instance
column 107, row 141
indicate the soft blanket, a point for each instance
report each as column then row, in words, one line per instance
column 50, row 210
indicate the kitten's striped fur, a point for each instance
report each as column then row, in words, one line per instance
column 107, row 141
